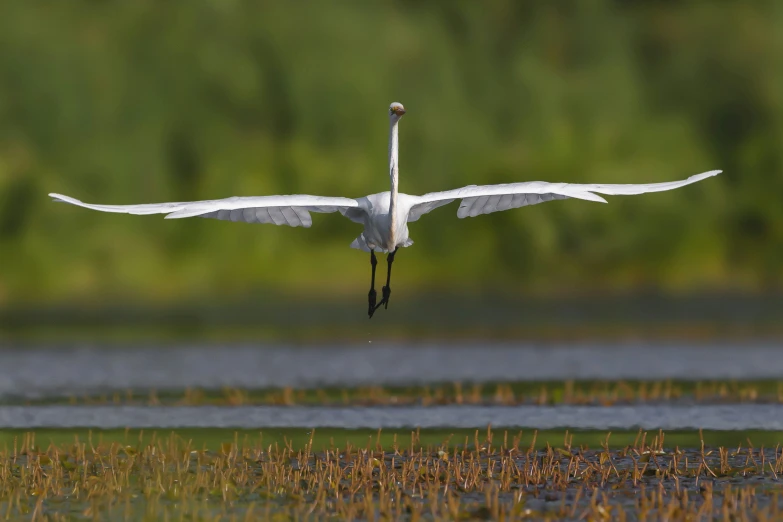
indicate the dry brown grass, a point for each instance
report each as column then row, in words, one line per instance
column 568, row 392
column 489, row 477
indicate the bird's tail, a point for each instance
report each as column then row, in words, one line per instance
column 361, row 244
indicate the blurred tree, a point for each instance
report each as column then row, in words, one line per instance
column 147, row 101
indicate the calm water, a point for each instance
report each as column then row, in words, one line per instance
column 712, row 417
column 51, row 371
column 33, row 372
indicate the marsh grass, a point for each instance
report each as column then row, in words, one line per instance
column 480, row 475
column 605, row 393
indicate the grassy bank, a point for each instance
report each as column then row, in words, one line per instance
column 439, row 475
column 214, row 439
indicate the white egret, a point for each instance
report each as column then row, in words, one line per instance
column 385, row 216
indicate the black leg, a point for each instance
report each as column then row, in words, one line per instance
column 387, row 289
column 371, row 295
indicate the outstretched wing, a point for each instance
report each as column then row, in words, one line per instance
column 293, row 210
column 485, row 199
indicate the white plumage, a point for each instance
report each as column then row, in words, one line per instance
column 373, row 211
column 385, row 216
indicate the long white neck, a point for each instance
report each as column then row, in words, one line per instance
column 394, row 174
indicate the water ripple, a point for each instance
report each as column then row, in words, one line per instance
column 648, row 417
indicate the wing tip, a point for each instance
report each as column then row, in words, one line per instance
column 704, row 175
column 60, row 198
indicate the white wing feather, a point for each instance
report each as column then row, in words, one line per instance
column 485, row 199
column 291, row 210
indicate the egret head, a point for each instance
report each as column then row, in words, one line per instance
column 396, row 110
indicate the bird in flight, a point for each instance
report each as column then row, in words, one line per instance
column 385, row 216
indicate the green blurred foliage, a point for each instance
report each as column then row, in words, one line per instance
column 147, row 101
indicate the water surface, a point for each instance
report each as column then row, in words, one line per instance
column 36, row 371
column 648, row 417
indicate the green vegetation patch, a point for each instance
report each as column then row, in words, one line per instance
column 213, row 439
column 603, row 393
